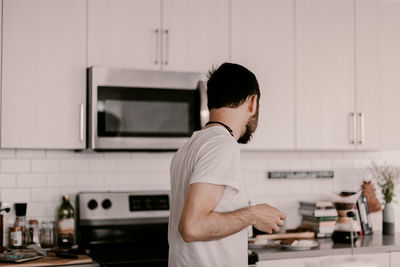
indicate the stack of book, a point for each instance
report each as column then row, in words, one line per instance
column 320, row 216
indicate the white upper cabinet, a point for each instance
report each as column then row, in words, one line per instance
column 377, row 74
column 263, row 41
column 179, row 35
column 390, row 89
column 195, row 34
column 124, row 33
column 368, row 74
column 325, row 59
column 43, row 74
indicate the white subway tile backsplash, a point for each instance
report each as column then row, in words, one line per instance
column 321, row 164
column 46, row 195
column 52, row 209
column 15, row 165
column 8, row 180
column 46, row 165
column 61, row 154
column 41, row 177
column 361, row 164
column 31, row 180
column 61, row 180
column 14, row 195
column 29, row 153
column 301, row 164
column 74, row 165
column 36, row 210
column 143, row 164
column 90, row 180
column 7, row 153
column 118, row 179
column 341, row 164
column 102, row 165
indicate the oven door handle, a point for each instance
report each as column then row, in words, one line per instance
column 204, row 113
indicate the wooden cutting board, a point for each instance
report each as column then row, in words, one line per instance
column 50, row 261
column 301, row 235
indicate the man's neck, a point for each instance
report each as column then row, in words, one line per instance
column 229, row 117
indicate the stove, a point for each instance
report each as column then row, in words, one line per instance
column 124, row 228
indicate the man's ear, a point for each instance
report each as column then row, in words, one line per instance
column 252, row 103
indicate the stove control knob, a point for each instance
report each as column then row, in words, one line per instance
column 106, row 204
column 92, row 204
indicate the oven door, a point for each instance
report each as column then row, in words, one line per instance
column 144, row 110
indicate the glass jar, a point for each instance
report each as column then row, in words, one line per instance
column 34, row 234
column 47, row 239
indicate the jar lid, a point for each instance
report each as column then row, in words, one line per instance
column 20, row 209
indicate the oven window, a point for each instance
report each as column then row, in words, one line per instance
column 145, row 112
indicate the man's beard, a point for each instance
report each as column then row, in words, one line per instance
column 251, row 127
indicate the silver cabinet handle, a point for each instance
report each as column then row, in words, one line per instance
column 204, row 113
column 157, row 33
column 354, row 124
column 166, row 32
column 81, row 122
column 362, row 127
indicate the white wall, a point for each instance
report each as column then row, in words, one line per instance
column 40, row 177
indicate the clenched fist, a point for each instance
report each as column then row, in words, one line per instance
column 267, row 218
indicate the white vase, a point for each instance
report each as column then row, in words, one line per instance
column 389, row 219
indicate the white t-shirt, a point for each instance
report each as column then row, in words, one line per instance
column 211, row 155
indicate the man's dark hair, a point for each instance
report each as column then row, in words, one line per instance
column 230, row 85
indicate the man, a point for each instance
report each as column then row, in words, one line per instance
column 209, row 206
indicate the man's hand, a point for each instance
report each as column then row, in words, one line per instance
column 267, row 218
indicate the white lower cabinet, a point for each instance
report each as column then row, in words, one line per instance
column 394, row 259
column 363, row 260
column 298, row 262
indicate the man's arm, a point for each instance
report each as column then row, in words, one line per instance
column 200, row 223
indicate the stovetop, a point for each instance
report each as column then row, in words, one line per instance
column 124, row 228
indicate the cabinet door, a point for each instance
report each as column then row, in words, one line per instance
column 123, row 33
column 378, row 68
column 263, row 41
column 195, row 35
column 325, row 74
column 369, row 99
column 390, row 88
column 298, row 262
column 394, row 259
column 44, row 74
column 373, row 259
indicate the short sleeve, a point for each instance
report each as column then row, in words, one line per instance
column 218, row 162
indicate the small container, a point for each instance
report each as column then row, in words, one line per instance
column 47, row 237
column 16, row 237
column 34, row 233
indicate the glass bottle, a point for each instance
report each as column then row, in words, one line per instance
column 66, row 224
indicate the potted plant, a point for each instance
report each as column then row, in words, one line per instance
column 387, row 177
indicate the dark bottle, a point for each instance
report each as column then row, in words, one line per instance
column 66, row 224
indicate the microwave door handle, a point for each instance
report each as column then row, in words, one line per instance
column 204, row 113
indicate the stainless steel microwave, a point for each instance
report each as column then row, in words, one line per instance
column 143, row 110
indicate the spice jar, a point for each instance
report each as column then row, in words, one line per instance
column 33, row 232
column 16, row 234
column 47, row 239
